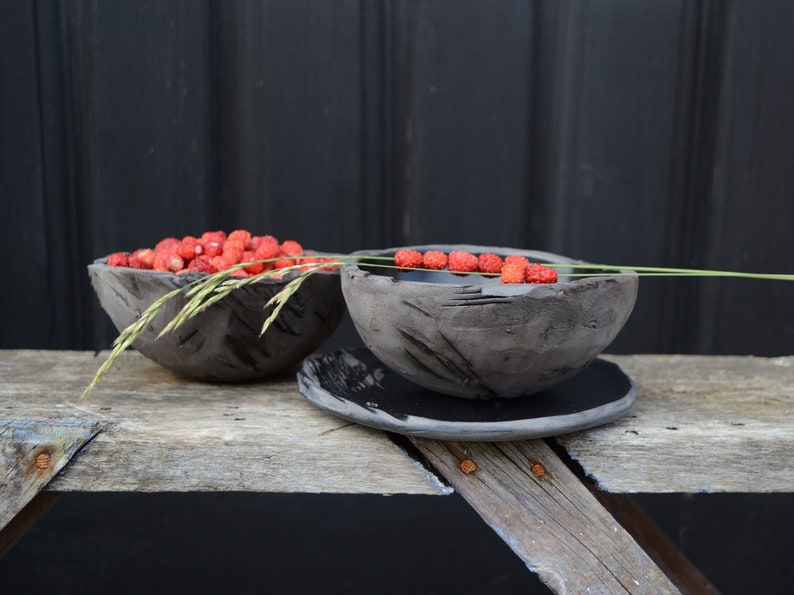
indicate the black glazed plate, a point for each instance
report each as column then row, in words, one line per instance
column 355, row 385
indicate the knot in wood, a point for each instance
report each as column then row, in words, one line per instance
column 468, row 466
column 43, row 460
column 538, row 470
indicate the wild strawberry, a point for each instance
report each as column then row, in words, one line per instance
column 291, row 249
column 211, row 248
column 517, row 258
column 407, row 259
column 256, row 241
column 462, row 262
column 240, row 235
column 189, row 247
column 166, row 244
column 537, row 273
column 118, row 259
column 142, row 259
column 283, row 263
column 332, row 267
column 233, row 251
column 217, row 237
column 253, row 269
column 202, row 264
column 434, row 259
column 489, row 263
column 266, row 250
column 513, row 272
column 221, row 263
column 253, row 243
column 168, row 260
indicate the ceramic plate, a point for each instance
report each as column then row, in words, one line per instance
column 355, row 385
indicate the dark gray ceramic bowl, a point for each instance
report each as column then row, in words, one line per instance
column 222, row 344
column 474, row 337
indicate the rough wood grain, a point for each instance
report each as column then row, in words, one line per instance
column 700, row 424
column 547, row 516
column 166, row 433
column 32, row 453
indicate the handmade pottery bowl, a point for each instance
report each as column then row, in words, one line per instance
column 222, row 344
column 474, row 337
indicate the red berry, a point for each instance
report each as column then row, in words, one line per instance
column 407, row 259
column 189, row 247
column 267, row 250
column 283, row 263
column 240, row 235
column 217, row 237
column 253, row 269
column 517, row 258
column 212, row 248
column 221, row 263
column 434, row 259
column 513, row 272
column 233, row 251
column 462, row 262
column 167, row 260
column 258, row 241
column 291, row 249
column 142, row 259
column 202, row 264
column 118, row 259
column 167, row 244
column 537, row 273
column 329, row 268
column 489, row 263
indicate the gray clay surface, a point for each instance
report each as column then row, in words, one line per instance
column 222, row 343
column 473, row 337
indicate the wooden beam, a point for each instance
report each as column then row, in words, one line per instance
column 547, row 516
column 32, row 453
column 700, row 424
column 169, row 434
column 678, row 568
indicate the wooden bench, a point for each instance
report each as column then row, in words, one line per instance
column 558, row 503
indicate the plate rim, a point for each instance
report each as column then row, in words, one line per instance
column 426, row 427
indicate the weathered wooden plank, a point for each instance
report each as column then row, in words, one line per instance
column 167, row 433
column 545, row 514
column 31, row 453
column 676, row 566
column 700, row 424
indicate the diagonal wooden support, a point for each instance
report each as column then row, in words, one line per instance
column 538, row 506
column 32, row 452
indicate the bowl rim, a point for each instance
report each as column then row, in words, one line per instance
column 353, row 268
column 191, row 276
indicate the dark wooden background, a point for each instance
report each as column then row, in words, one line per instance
column 639, row 133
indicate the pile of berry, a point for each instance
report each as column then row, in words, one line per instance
column 215, row 251
column 513, row 269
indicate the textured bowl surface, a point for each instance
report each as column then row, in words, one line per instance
column 222, row 344
column 474, row 337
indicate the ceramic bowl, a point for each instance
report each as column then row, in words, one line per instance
column 474, row 337
column 222, row 344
